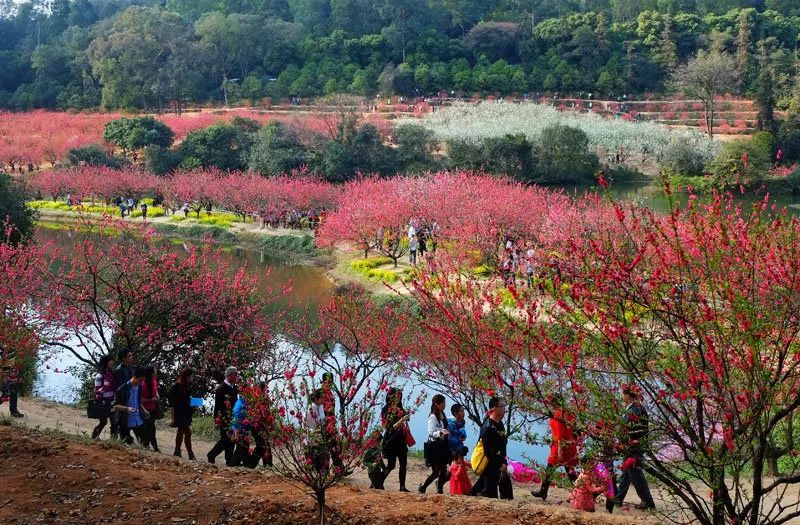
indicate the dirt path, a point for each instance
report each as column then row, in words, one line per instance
column 201, row 485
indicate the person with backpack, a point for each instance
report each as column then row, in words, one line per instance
column 563, row 446
column 437, row 448
column 637, row 428
column 104, row 392
column 489, row 456
column 128, row 404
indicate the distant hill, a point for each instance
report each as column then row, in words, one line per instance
column 161, row 54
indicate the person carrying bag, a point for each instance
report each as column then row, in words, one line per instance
column 437, row 447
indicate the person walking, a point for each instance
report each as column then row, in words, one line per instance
column 437, row 448
column 637, row 428
column 495, row 440
column 104, row 392
column 144, row 211
column 395, row 449
column 122, row 374
column 150, row 401
column 128, row 404
column 563, row 447
column 460, row 484
column 180, row 399
column 225, row 398
column 413, row 245
column 458, row 432
column 9, row 381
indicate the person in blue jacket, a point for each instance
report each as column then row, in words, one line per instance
column 458, row 432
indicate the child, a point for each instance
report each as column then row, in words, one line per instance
column 460, row 484
column 373, row 462
column 587, row 487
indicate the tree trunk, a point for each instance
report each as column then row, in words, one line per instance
column 718, row 512
column 320, row 497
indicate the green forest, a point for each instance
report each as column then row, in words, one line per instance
column 157, row 55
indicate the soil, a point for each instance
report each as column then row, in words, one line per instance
column 53, row 473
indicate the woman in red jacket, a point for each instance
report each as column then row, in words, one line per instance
column 563, row 447
column 150, row 400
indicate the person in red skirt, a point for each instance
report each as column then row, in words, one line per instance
column 563, row 447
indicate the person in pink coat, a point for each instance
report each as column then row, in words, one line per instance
column 460, row 484
column 587, row 487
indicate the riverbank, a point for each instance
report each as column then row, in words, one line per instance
column 58, row 474
column 287, row 245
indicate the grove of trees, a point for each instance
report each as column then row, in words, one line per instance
column 156, row 55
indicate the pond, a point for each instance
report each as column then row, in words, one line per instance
column 651, row 194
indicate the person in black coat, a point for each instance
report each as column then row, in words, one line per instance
column 224, row 399
column 180, row 399
column 495, row 440
column 395, row 449
column 122, row 374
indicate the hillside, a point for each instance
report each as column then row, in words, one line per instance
column 68, row 54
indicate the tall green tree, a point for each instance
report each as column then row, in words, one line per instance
column 765, row 100
column 133, row 53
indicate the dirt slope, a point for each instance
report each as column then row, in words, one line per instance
column 52, row 477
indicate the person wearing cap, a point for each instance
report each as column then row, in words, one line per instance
column 225, row 398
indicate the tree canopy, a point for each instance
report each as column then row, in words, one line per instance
column 161, row 55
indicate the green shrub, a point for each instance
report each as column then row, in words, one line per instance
column 765, row 141
column 682, row 158
column 729, row 168
column 379, row 275
column 793, row 181
column 363, row 265
column 482, row 270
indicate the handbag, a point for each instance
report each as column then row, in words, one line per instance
column 410, row 441
column 436, row 452
column 96, row 409
column 158, row 413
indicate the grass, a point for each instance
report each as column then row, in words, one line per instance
column 223, row 220
column 371, row 269
column 364, row 265
column 288, row 246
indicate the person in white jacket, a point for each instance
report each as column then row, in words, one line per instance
column 437, row 447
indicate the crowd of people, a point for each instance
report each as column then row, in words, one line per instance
column 446, row 454
column 127, row 397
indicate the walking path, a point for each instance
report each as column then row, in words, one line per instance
column 42, row 414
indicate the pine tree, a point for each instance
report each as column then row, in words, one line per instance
column 765, row 100
column 743, row 57
column 666, row 52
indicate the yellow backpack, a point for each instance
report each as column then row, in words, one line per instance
column 479, row 459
